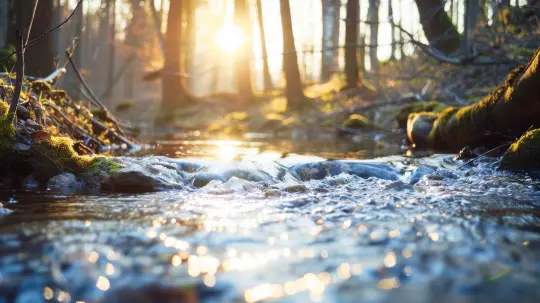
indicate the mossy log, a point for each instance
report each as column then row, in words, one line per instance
column 524, row 154
column 508, row 112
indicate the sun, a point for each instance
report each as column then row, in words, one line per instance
column 229, row 38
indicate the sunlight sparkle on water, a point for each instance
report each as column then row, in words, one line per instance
column 227, row 153
column 103, row 283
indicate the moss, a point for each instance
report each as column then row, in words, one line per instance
column 60, row 151
column 403, row 114
column 124, row 106
column 100, row 114
column 104, row 164
column 357, row 121
column 524, row 154
column 41, row 87
column 58, row 96
column 472, row 119
column 439, row 124
column 7, row 129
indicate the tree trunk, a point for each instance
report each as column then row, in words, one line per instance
column 267, row 79
column 293, row 90
column 438, row 27
column 174, row 92
column 189, row 40
column 330, row 37
column 244, row 54
column 351, row 36
column 72, row 83
column 401, row 35
column 507, row 112
column 373, row 14
column 4, row 7
column 58, row 17
column 392, row 30
column 112, row 45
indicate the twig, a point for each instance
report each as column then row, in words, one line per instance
column 491, row 150
column 121, row 138
column 483, row 155
column 31, row 22
column 33, row 41
column 439, row 56
column 20, row 74
column 93, row 97
column 71, row 124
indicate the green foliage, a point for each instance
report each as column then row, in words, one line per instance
column 4, row 52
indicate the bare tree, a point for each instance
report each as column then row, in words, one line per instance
column 189, row 37
column 392, row 30
column 40, row 57
column 293, row 90
column 438, row 27
column 4, row 7
column 373, row 15
column 243, row 69
column 351, row 36
column 330, row 36
column 112, row 42
column 174, row 92
column 267, row 79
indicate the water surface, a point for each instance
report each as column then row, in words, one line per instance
column 312, row 233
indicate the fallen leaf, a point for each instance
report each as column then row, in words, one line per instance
column 40, row 135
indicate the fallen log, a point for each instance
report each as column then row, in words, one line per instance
column 509, row 111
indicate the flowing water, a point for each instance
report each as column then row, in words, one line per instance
column 255, row 222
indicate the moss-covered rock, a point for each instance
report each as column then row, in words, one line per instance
column 357, row 121
column 417, row 107
column 524, row 154
column 41, row 87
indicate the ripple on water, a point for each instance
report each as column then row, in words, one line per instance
column 257, row 233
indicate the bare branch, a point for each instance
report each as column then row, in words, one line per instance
column 93, row 96
column 33, row 41
column 439, row 56
column 20, row 74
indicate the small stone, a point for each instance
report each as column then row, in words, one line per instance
column 272, row 193
column 398, row 186
column 64, row 180
column 22, row 112
column 419, row 173
column 297, row 188
column 30, row 182
column 33, row 125
column 21, row 147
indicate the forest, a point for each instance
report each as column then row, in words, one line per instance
column 178, row 150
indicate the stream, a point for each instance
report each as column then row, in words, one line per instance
column 291, row 221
